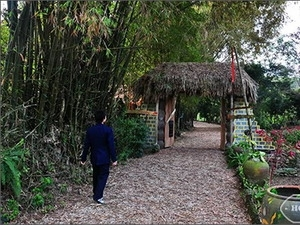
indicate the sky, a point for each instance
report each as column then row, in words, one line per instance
column 293, row 11
column 3, row 4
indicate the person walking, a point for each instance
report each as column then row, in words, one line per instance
column 99, row 142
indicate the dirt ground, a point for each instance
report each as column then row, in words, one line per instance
column 188, row 183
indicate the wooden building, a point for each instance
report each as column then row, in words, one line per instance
column 160, row 87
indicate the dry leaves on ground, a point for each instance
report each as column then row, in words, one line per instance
column 188, row 183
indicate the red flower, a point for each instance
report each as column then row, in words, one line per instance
column 260, row 132
column 297, row 145
column 268, row 138
column 280, row 141
column 278, row 151
column 292, row 154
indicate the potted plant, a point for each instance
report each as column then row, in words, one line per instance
column 251, row 162
column 256, row 168
column 281, row 205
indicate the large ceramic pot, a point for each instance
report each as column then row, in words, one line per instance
column 255, row 171
column 281, row 205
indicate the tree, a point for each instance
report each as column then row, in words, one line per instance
column 277, row 103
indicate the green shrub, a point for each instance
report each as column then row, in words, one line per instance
column 292, row 136
column 38, row 200
column 41, row 197
column 269, row 122
column 12, row 160
column 237, row 154
column 10, row 210
column 130, row 135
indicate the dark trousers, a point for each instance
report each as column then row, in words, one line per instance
column 100, row 176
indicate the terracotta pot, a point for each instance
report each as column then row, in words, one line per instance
column 281, row 205
column 256, row 172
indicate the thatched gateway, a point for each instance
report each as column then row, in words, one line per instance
column 164, row 83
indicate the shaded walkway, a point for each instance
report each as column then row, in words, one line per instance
column 188, row 184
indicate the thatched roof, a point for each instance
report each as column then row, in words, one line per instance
column 203, row 79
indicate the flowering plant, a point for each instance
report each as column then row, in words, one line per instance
column 287, row 144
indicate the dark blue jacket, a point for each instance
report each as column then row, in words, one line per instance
column 99, row 140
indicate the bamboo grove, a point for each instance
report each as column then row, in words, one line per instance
column 64, row 60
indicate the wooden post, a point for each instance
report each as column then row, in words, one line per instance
column 223, row 124
column 231, row 124
column 231, row 117
column 156, row 124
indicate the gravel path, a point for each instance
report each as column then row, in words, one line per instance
column 188, row 183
